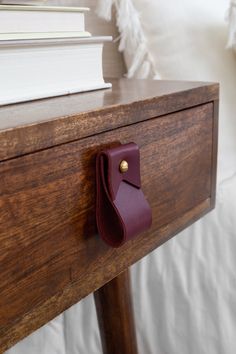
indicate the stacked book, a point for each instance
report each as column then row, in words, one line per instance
column 45, row 51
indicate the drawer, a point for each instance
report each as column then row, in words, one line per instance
column 51, row 255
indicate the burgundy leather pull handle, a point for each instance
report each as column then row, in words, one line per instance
column 122, row 211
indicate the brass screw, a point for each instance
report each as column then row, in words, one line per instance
column 124, row 166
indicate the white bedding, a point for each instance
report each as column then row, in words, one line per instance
column 185, row 291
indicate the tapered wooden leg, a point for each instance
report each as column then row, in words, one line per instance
column 115, row 316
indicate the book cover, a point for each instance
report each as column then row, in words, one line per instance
column 42, row 35
column 4, row 7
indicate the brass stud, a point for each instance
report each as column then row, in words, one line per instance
column 124, row 166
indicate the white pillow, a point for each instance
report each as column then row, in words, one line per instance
column 185, row 40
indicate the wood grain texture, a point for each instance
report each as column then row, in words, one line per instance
column 115, row 316
column 214, row 151
column 33, row 126
column 50, row 255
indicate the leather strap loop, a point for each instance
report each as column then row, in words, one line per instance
column 122, row 211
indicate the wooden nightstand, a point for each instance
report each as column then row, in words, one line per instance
column 51, row 255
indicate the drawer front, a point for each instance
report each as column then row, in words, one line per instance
column 51, row 255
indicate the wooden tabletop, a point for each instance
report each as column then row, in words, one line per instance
column 40, row 124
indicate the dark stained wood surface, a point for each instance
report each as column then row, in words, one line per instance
column 33, row 126
column 50, row 254
column 115, row 316
column 214, row 152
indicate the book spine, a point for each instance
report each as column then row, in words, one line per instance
column 26, row 36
